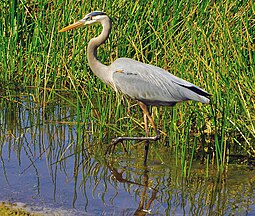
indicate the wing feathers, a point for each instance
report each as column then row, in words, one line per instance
column 153, row 85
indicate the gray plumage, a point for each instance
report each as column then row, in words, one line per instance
column 153, row 85
column 148, row 84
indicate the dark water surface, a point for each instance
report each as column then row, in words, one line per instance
column 54, row 165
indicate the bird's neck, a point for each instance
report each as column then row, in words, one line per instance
column 96, row 66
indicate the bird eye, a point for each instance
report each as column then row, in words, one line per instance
column 89, row 18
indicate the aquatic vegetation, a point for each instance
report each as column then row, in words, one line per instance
column 208, row 43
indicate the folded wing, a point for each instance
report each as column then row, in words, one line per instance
column 153, row 85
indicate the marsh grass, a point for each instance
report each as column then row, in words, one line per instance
column 208, row 43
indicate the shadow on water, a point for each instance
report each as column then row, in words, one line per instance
column 46, row 165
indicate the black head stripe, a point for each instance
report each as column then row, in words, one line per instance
column 95, row 13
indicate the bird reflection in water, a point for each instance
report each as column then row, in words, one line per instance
column 144, row 203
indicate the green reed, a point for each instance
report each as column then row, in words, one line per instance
column 208, row 43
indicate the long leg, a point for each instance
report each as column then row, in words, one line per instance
column 147, row 144
column 147, row 113
column 147, row 138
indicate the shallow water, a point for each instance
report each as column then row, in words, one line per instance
column 46, row 166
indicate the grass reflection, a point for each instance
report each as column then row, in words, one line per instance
column 206, row 42
column 53, row 142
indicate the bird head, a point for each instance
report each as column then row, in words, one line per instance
column 89, row 19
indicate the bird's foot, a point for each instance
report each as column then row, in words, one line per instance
column 111, row 147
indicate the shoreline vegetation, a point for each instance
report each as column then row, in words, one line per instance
column 13, row 209
column 209, row 43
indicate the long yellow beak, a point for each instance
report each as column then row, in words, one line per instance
column 72, row 26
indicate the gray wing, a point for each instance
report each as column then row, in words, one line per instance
column 153, row 85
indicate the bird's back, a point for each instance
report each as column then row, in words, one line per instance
column 153, row 85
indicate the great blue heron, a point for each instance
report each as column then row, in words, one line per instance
column 147, row 84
